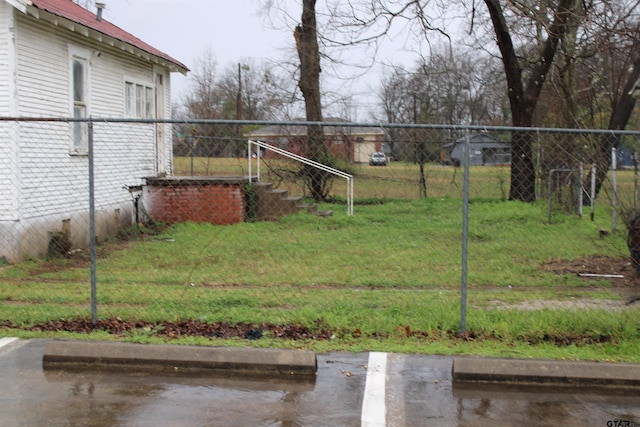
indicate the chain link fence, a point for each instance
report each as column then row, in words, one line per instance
column 409, row 232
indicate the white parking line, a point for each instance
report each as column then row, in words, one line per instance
column 374, row 408
column 7, row 341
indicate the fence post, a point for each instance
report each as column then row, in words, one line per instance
column 465, row 236
column 581, row 192
column 593, row 191
column 92, row 225
column 635, row 183
column 614, row 201
column 249, row 163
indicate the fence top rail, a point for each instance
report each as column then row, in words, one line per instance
column 381, row 125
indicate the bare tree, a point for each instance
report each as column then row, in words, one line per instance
column 547, row 24
column 525, row 76
column 596, row 72
column 254, row 86
column 203, row 99
column 534, row 40
column 306, row 37
column 450, row 86
column 345, row 24
column 253, row 90
column 588, row 85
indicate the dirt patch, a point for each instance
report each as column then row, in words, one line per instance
column 600, row 267
column 81, row 258
column 573, row 304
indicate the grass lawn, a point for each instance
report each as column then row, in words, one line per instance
column 387, row 278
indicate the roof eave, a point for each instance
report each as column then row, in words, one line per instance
column 75, row 27
column 21, row 5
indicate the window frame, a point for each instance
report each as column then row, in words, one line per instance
column 79, row 107
column 139, row 99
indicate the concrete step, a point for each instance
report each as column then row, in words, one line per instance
column 273, row 204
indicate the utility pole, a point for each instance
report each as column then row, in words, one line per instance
column 239, row 98
column 239, row 107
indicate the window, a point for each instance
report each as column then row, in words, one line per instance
column 148, row 103
column 129, row 99
column 79, row 83
column 138, row 100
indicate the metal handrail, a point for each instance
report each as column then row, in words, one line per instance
column 301, row 159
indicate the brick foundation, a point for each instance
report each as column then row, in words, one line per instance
column 212, row 200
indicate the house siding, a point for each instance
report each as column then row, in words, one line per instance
column 42, row 70
column 165, row 131
column 49, row 188
column 9, row 148
column 6, row 14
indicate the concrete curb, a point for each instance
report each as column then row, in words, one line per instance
column 180, row 359
column 545, row 372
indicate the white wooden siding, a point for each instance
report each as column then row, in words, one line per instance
column 9, row 175
column 168, row 135
column 42, row 70
column 5, row 38
column 8, row 145
column 124, row 153
column 51, row 185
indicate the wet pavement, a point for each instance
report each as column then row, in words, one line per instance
column 417, row 390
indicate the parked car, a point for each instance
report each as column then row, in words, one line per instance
column 378, row 159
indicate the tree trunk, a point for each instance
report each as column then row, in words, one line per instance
column 523, row 96
column 309, row 53
column 523, row 172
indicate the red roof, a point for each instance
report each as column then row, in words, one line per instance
column 73, row 12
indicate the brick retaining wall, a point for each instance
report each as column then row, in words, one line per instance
column 212, row 200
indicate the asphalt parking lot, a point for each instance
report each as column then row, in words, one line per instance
column 369, row 389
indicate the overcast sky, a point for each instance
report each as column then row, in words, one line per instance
column 184, row 29
column 232, row 29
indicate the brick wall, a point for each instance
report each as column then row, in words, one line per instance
column 214, row 200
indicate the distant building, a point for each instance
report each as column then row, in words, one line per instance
column 484, row 150
column 353, row 144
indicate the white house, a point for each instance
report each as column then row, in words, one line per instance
column 59, row 60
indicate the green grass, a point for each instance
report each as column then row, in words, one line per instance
column 397, row 180
column 387, row 278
